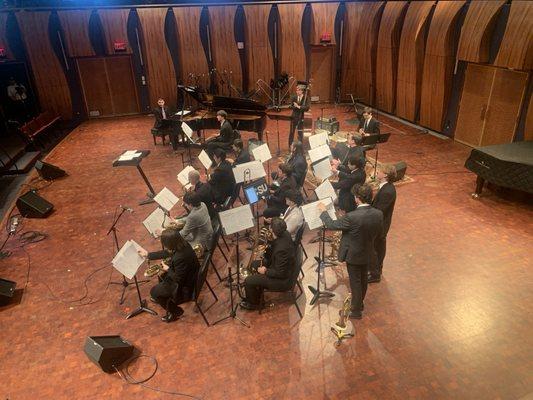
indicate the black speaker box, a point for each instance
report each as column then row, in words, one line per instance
column 7, row 289
column 108, row 352
column 401, row 167
column 49, row 171
column 31, row 205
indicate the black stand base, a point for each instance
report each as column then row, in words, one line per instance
column 149, row 200
column 140, row 310
column 233, row 306
column 233, row 314
column 125, row 284
column 317, row 293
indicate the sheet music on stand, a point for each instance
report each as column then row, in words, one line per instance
column 325, row 190
column 322, row 169
column 319, row 153
column 236, row 219
column 184, row 112
column 157, row 220
column 127, row 261
column 255, row 168
column 166, row 199
column 312, row 213
column 129, row 155
column 262, row 153
column 205, row 159
column 183, row 176
column 318, row 139
column 188, row 131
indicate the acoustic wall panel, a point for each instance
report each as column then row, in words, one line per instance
column 292, row 51
column 323, row 20
column 75, row 25
column 115, row 24
column 3, row 37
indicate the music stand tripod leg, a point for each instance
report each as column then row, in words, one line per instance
column 142, row 304
column 151, row 194
column 317, row 293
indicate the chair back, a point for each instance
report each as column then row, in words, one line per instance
column 299, row 235
column 297, row 267
column 217, row 231
column 236, row 191
column 202, row 275
column 301, row 181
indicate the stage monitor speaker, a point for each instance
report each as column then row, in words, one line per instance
column 7, row 290
column 49, row 171
column 401, row 167
column 108, row 352
column 31, row 205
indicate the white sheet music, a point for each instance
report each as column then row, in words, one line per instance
column 256, row 168
column 130, row 155
column 262, row 153
column 155, row 221
column 318, row 140
column 183, row 176
column 312, row 213
column 127, row 261
column 166, row 199
column 319, row 153
column 236, row 219
column 187, row 130
column 184, row 112
column 322, row 169
column 205, row 159
column 325, row 190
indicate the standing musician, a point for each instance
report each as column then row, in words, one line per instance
column 222, row 181
column 384, row 201
column 343, row 152
column 277, row 267
column 369, row 125
column 276, row 202
column 298, row 162
column 299, row 105
column 163, row 123
column 242, row 154
column 353, row 174
column 360, row 228
column 225, row 139
column 181, row 273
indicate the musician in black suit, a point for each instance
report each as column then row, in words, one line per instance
column 343, row 152
column 203, row 190
column 299, row 105
column 242, row 154
column 277, row 267
column 360, row 228
column 353, row 174
column 221, row 181
column 276, row 204
column 384, row 201
column 163, row 123
column 181, row 273
column 225, row 139
column 369, row 125
column 298, row 162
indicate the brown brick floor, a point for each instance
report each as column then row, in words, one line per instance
column 451, row 319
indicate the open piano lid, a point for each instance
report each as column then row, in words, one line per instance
column 226, row 103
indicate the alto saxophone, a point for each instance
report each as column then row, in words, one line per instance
column 340, row 328
column 258, row 249
column 335, row 244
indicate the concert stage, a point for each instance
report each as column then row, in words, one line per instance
column 450, row 319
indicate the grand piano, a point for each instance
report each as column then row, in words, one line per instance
column 244, row 114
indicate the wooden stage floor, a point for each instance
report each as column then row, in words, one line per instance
column 450, row 320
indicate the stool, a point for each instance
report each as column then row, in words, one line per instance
column 157, row 133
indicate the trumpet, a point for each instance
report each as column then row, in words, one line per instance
column 157, row 269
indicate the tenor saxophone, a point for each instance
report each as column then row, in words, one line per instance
column 341, row 327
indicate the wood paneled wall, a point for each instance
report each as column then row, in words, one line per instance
column 411, row 59
column 225, row 52
column 50, row 80
column 161, row 76
column 192, row 56
column 3, row 39
column 75, row 25
column 323, row 20
column 115, row 25
column 291, row 49
column 387, row 54
column 528, row 130
column 439, row 62
column 259, row 54
column 516, row 49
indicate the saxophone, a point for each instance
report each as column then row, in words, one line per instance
column 258, row 250
column 335, row 244
column 340, row 328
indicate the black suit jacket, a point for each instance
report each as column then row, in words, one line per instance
column 226, row 134
column 299, row 168
column 298, row 113
column 359, row 230
column 222, row 181
column 346, row 181
column 278, row 198
column 384, row 200
column 243, row 157
column 203, row 190
column 342, row 152
column 373, row 125
column 281, row 258
column 158, row 114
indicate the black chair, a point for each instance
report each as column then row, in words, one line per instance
column 236, row 194
column 293, row 284
column 298, row 239
column 212, row 247
column 159, row 133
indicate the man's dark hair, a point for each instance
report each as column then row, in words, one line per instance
column 363, row 193
column 222, row 113
column 357, row 161
column 278, row 226
column 295, row 196
column 192, row 198
column 219, row 153
column 367, row 110
column 238, row 143
column 286, row 169
column 172, row 240
column 298, row 147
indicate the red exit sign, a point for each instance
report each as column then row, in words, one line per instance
column 120, row 45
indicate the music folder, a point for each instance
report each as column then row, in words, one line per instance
column 312, row 213
column 249, row 171
column 236, row 219
column 166, row 199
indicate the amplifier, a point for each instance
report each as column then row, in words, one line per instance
column 332, row 126
column 327, row 119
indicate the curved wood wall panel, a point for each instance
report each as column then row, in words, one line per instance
column 516, row 49
column 3, row 37
column 438, row 64
column 387, row 54
column 193, row 59
column 411, row 59
column 75, row 25
column 115, row 24
column 161, row 76
column 291, row 45
column 528, row 130
column 225, row 52
column 54, row 94
column 259, row 56
column 353, row 16
column 323, row 20
column 474, row 43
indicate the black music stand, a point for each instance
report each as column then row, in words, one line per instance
column 277, row 118
column 375, row 140
column 136, row 162
column 142, row 303
column 322, row 264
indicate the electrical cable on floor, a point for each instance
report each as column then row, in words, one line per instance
column 129, row 378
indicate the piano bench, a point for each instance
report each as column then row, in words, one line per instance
column 159, row 133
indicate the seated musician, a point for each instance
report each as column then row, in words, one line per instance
column 181, row 272
column 222, row 181
column 276, row 201
column 197, row 228
column 202, row 190
column 276, row 269
column 349, row 176
column 298, row 162
column 163, row 123
column 242, row 154
column 343, row 152
column 293, row 215
column 369, row 125
column 225, row 139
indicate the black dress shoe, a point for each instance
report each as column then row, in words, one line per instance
column 248, row 306
column 171, row 317
column 374, row 278
column 355, row 315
